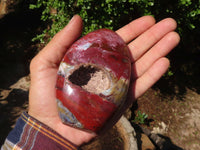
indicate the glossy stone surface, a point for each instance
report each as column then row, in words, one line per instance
column 93, row 80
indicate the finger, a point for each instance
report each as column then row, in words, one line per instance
column 141, row 44
column 150, row 77
column 56, row 48
column 135, row 28
column 161, row 49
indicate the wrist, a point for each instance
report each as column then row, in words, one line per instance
column 29, row 133
column 76, row 136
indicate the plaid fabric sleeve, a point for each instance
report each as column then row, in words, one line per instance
column 30, row 134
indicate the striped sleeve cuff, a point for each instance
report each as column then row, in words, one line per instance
column 31, row 134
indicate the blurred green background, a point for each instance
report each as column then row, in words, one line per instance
column 113, row 14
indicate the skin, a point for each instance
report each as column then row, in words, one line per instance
column 149, row 43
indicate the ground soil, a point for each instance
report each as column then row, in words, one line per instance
column 112, row 140
column 176, row 118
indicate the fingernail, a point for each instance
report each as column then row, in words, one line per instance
column 72, row 19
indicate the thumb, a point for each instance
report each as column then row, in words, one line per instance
column 57, row 47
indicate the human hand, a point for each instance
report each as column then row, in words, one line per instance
column 148, row 43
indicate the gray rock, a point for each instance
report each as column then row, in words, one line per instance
column 128, row 134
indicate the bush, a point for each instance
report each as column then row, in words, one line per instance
column 113, row 14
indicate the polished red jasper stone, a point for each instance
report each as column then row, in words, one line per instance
column 102, row 52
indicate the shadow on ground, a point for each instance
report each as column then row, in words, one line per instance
column 16, row 50
column 160, row 141
column 185, row 65
column 10, row 110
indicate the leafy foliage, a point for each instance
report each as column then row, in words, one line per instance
column 140, row 117
column 113, row 14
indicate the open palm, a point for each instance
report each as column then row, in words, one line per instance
column 149, row 43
